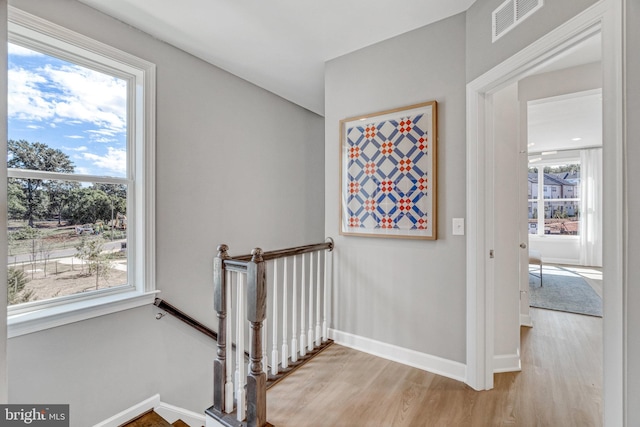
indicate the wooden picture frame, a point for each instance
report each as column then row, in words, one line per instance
column 388, row 178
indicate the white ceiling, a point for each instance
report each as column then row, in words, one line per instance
column 571, row 121
column 565, row 122
column 280, row 45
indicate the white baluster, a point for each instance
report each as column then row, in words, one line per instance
column 285, row 303
column 325, row 330
column 303, row 302
column 265, row 358
column 294, row 314
column 310, row 334
column 274, row 352
column 240, row 393
column 228, row 386
column 236, row 378
column 318, row 303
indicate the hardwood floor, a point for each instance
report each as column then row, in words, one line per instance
column 560, row 385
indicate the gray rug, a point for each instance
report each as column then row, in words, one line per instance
column 563, row 290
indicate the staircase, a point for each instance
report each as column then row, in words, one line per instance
column 277, row 300
column 152, row 419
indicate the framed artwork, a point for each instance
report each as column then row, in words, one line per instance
column 388, row 173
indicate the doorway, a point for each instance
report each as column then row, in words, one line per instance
column 480, row 203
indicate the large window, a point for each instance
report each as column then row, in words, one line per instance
column 554, row 197
column 80, row 174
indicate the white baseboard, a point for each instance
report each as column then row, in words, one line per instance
column 525, row 320
column 130, row 413
column 168, row 412
column 173, row 413
column 426, row 362
column 506, row 363
column 561, row 261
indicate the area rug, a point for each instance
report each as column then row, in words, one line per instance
column 563, row 290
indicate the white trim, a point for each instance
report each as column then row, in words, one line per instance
column 173, row 413
column 34, row 25
column 169, row 412
column 426, row 362
column 38, row 320
column 130, row 413
column 606, row 16
column 506, row 363
column 525, row 320
column 564, row 261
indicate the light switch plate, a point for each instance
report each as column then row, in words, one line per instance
column 458, row 226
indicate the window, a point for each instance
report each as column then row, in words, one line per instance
column 80, row 176
column 559, row 212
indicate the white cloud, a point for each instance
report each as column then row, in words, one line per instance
column 115, row 161
column 74, row 136
column 68, row 94
column 25, row 98
column 81, row 148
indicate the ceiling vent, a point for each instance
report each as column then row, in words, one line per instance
column 510, row 13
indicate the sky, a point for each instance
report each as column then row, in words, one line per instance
column 77, row 110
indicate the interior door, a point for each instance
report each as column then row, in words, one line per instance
column 506, row 228
column 523, row 215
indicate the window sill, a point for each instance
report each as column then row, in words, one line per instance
column 552, row 237
column 52, row 316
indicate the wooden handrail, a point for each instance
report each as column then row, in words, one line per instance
column 181, row 315
column 282, row 253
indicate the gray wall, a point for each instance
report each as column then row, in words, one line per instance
column 409, row 293
column 235, row 164
column 633, row 200
column 482, row 54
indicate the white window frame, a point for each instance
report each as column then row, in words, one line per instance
column 31, row 31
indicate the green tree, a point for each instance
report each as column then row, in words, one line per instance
column 15, row 200
column 16, row 281
column 87, row 205
column 39, row 157
column 91, row 250
column 59, row 194
column 117, row 194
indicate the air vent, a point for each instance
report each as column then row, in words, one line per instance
column 510, row 13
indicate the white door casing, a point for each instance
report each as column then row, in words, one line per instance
column 605, row 16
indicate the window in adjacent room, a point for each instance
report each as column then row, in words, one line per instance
column 554, row 206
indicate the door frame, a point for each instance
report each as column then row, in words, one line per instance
column 605, row 16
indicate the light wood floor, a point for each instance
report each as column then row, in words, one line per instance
column 560, row 386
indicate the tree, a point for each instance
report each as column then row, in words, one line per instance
column 59, row 193
column 87, row 205
column 16, row 281
column 39, row 157
column 91, row 251
column 15, row 199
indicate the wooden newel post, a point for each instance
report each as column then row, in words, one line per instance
column 219, row 305
column 256, row 314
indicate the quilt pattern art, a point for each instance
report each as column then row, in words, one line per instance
column 388, row 178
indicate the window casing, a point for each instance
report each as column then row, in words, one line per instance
column 37, row 34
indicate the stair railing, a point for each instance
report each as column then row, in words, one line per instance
column 243, row 302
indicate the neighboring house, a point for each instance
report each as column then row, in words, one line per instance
column 261, row 171
column 555, row 187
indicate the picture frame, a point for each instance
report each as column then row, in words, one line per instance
column 388, row 173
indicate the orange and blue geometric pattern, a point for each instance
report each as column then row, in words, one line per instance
column 388, row 174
